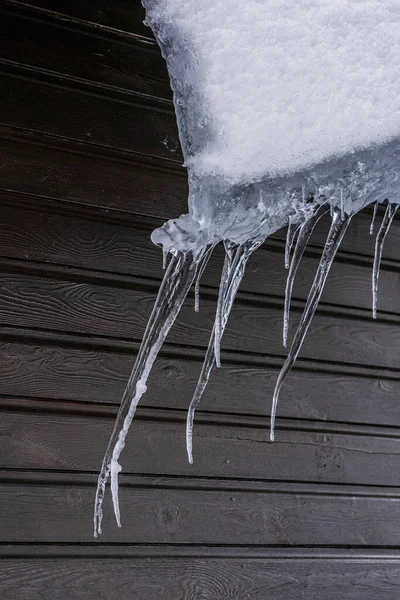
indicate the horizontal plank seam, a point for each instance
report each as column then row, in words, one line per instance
column 58, row 80
column 147, row 223
column 51, row 205
column 110, row 279
column 91, row 149
column 60, row 478
column 73, row 23
column 118, row 550
column 18, row 70
column 144, row 223
column 59, row 338
column 240, row 421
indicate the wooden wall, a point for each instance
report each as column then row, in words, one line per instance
column 90, row 164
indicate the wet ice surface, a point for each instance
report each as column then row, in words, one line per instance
column 285, row 110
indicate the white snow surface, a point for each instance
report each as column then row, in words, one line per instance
column 280, row 85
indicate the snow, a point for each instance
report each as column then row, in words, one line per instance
column 272, row 87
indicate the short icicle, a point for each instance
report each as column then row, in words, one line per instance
column 305, row 233
column 291, row 234
column 234, row 277
column 379, row 242
column 335, row 236
column 372, row 226
column 201, row 270
column 342, row 213
column 176, row 283
column 226, row 269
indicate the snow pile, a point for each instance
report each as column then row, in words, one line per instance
column 267, row 87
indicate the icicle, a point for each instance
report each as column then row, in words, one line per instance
column 380, row 240
column 342, row 213
column 305, row 233
column 202, row 268
column 235, row 276
column 229, row 253
column 291, row 233
column 335, row 236
column 164, row 259
column 172, row 293
column 206, row 369
column 371, row 228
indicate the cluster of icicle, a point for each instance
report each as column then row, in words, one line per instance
column 186, row 268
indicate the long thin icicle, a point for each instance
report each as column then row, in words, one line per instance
column 173, row 290
column 305, row 233
column 335, row 236
column 235, row 275
column 379, row 242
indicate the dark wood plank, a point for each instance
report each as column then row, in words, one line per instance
column 183, row 578
column 188, row 516
column 49, row 43
column 117, row 14
column 89, row 175
column 74, row 442
column 121, row 121
column 96, row 374
column 36, row 297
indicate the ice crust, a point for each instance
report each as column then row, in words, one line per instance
column 269, row 96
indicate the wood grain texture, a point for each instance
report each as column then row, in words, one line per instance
column 233, row 517
column 37, row 297
column 201, row 578
column 90, row 371
column 116, row 14
column 87, row 174
column 86, row 115
column 75, row 442
column 50, row 43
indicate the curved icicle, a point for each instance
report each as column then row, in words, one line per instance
column 206, row 369
column 305, row 233
column 235, row 275
column 372, row 226
column 379, row 242
column 176, row 283
column 335, row 236
column 201, row 270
